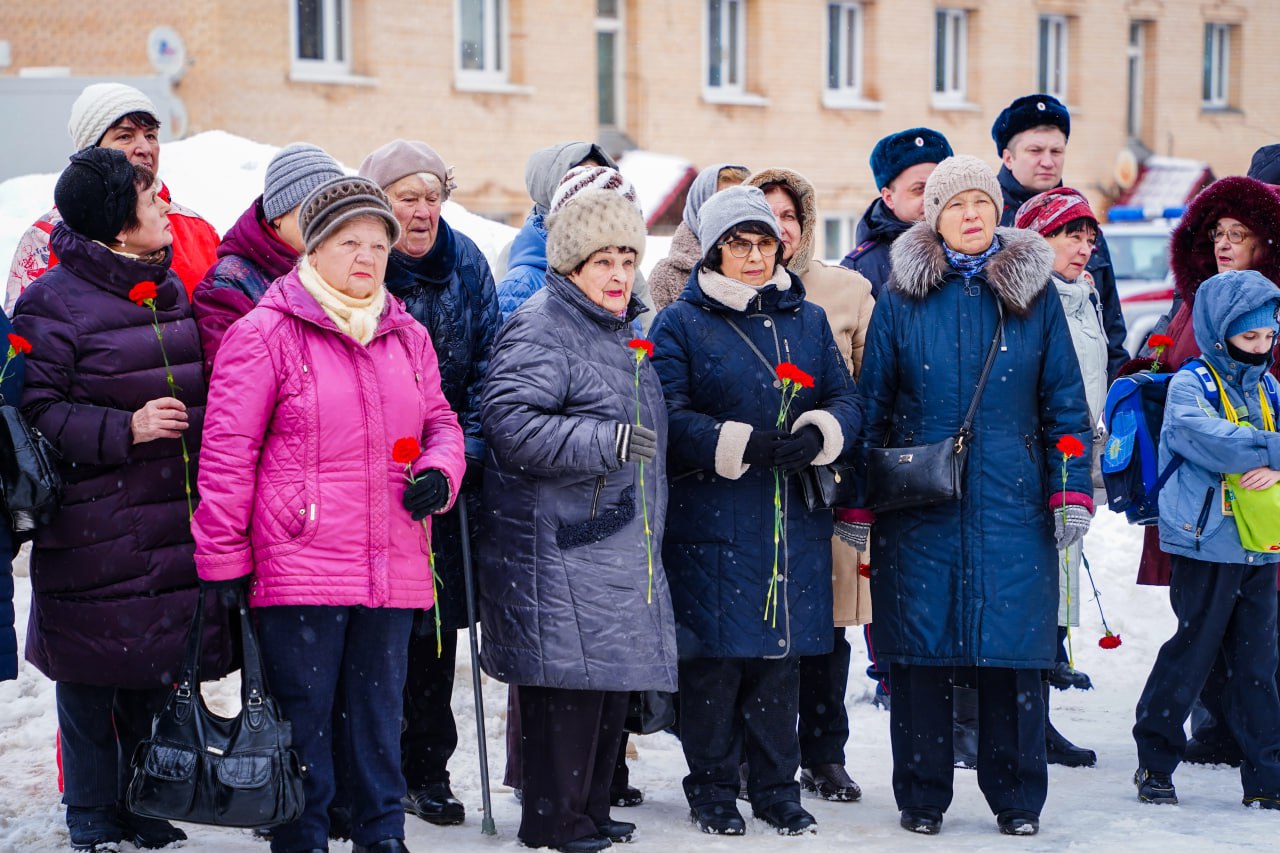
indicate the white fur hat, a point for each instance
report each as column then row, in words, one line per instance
column 99, row 106
column 593, row 208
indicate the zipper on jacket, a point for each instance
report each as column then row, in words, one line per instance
column 595, row 498
column 1030, row 453
column 1204, row 514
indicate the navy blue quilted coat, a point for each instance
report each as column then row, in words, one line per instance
column 12, row 390
column 564, row 572
column 719, row 549
column 450, row 291
column 974, row 581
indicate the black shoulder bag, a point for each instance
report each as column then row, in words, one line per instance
column 29, row 480
column 927, row 474
column 823, row 486
column 201, row 768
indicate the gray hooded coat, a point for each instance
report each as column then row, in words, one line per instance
column 564, row 570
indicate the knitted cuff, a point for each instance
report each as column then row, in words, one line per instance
column 1059, row 498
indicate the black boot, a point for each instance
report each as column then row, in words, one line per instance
column 831, row 782
column 788, row 817
column 435, row 804
column 719, row 818
column 923, row 821
column 1058, row 749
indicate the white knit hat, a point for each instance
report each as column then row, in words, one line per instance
column 955, row 175
column 593, row 208
column 99, row 106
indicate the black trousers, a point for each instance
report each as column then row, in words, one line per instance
column 1210, row 727
column 430, row 734
column 100, row 727
column 824, row 721
column 1232, row 608
column 731, row 708
column 569, row 744
column 1012, row 768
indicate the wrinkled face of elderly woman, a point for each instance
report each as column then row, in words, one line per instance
column 967, row 222
column 416, row 201
column 606, row 277
column 354, row 258
column 1235, row 246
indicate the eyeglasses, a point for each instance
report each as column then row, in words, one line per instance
column 1233, row 235
column 742, row 248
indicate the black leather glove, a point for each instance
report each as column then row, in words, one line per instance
column 228, row 591
column 801, row 448
column 635, row 443
column 473, row 480
column 427, row 495
column 763, row 446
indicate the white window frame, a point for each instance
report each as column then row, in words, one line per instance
column 1052, row 65
column 497, row 47
column 839, row 48
column 1216, row 72
column 334, row 41
column 954, row 89
column 617, row 26
column 733, row 15
column 848, row 225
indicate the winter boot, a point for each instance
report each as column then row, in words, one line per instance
column 1018, row 822
column 923, row 821
column 788, row 817
column 1155, row 787
column 1062, row 751
column 148, row 833
column 96, row 828
column 1218, row 752
column 1062, row 676
column 831, row 782
column 435, row 804
column 719, row 818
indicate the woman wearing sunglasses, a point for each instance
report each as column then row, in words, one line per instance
column 750, row 573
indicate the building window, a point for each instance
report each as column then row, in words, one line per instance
column 322, row 36
column 609, row 46
column 482, row 41
column 1217, row 64
column 950, row 51
column 844, row 48
column 726, row 45
column 1052, row 76
column 1136, row 96
column 837, row 235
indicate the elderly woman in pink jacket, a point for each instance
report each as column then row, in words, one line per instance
column 304, row 500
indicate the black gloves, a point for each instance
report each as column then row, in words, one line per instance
column 635, row 443
column 427, row 495
column 801, row 448
column 473, row 480
column 763, row 446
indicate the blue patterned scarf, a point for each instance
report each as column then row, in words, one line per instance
column 970, row 265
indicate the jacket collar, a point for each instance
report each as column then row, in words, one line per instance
column 768, row 299
column 566, row 291
column 880, row 224
column 113, row 272
column 289, row 296
column 436, row 267
column 1017, row 274
column 253, row 238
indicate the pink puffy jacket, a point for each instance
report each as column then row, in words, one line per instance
column 297, row 482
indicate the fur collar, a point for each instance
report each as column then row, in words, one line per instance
column 799, row 263
column 1191, row 254
column 1017, row 274
column 734, row 294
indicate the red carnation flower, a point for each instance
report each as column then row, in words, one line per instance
column 865, row 570
column 18, row 345
column 1069, row 445
column 142, row 292
column 641, row 344
column 1159, row 342
column 1110, row 641
column 405, row 450
column 788, row 372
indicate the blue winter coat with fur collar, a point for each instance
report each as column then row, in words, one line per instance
column 975, row 581
column 719, row 548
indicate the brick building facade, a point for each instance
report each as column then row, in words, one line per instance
column 802, row 83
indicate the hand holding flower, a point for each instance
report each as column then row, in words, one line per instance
column 427, row 494
column 164, row 417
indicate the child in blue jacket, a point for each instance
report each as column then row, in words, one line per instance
column 1223, row 595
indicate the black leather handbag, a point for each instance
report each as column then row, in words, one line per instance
column 201, row 768
column 29, row 480
column 926, row 474
column 827, row 486
column 649, row 712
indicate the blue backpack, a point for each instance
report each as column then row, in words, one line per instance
column 1132, row 417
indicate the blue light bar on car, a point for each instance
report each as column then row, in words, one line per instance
column 1128, row 213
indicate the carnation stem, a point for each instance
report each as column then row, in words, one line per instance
column 173, row 392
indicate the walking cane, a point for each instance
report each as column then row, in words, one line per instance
column 486, row 823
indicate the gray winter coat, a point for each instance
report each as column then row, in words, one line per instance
column 564, row 571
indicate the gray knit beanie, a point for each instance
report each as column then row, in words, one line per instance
column 292, row 174
column 953, row 176
column 593, row 208
column 730, row 207
column 340, row 200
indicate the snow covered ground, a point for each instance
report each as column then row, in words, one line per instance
column 218, row 175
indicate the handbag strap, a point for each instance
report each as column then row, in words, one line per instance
column 189, row 676
column 982, row 380
column 773, row 370
column 253, row 682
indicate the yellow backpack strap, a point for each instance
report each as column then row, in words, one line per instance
column 1228, row 410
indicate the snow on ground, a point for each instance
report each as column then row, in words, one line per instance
column 1093, row 809
column 218, row 175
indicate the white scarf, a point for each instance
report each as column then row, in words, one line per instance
column 357, row 318
column 738, row 294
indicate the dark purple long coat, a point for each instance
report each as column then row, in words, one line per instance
column 113, row 573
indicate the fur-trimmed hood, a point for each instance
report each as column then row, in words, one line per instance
column 1018, row 273
column 803, row 190
column 1254, row 203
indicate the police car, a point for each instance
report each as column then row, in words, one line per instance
column 1139, row 244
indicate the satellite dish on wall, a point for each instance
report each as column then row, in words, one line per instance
column 167, row 53
column 1126, row 169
